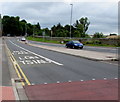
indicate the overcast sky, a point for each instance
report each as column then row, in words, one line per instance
column 103, row 16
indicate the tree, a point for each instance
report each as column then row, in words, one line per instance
column 82, row 26
column 53, row 30
column 98, row 35
column 47, row 31
column 13, row 26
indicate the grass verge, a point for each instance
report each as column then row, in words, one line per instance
column 58, row 42
column 42, row 40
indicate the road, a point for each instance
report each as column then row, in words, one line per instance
column 89, row 48
column 42, row 66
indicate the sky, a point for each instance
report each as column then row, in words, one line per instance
column 103, row 14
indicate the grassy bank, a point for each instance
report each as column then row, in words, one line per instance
column 43, row 40
column 58, row 42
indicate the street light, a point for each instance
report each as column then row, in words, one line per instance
column 71, row 19
column 25, row 29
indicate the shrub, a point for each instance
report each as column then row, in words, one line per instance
column 97, row 42
column 66, row 40
column 89, row 42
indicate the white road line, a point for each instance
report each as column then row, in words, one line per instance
column 58, row 82
column 45, row 83
column 116, row 78
column 47, row 59
column 110, row 63
column 69, row 81
column 105, row 78
column 102, row 48
column 33, row 84
column 81, row 80
column 93, row 79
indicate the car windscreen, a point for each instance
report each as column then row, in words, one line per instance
column 76, row 42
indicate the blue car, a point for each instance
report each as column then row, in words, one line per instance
column 74, row 44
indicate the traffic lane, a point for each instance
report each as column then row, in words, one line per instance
column 101, row 49
column 58, row 55
column 64, row 59
column 38, row 73
column 89, row 48
column 111, row 50
column 74, row 70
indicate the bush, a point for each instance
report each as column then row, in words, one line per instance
column 93, row 42
column 66, row 40
column 89, row 42
column 97, row 42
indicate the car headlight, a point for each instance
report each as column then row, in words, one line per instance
column 75, row 44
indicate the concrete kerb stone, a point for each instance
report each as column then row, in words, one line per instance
column 15, row 90
column 89, row 58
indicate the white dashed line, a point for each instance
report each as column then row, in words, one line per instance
column 69, row 81
column 81, row 80
column 58, row 82
column 105, row 78
column 116, row 78
column 93, row 79
column 110, row 63
column 32, row 83
column 45, row 83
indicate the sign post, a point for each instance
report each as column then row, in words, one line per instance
column 43, row 34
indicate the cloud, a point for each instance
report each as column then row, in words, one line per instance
column 102, row 15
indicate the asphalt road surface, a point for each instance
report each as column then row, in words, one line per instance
column 89, row 48
column 42, row 66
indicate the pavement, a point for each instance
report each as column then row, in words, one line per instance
column 7, row 93
column 92, row 55
column 6, row 89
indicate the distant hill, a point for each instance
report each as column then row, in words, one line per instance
column 114, row 36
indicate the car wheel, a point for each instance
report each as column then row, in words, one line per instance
column 81, row 47
column 73, row 47
column 66, row 46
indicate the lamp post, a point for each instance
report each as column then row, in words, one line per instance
column 0, row 25
column 25, row 29
column 71, row 18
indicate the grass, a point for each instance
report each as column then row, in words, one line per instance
column 42, row 40
column 58, row 42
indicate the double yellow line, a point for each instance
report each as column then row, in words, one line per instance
column 18, row 69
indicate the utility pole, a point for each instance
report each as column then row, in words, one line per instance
column 0, row 25
column 71, row 18
column 25, row 29
column 33, row 30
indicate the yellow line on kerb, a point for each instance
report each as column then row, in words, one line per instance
column 17, row 71
column 15, row 64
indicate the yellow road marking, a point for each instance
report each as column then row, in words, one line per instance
column 17, row 71
column 16, row 64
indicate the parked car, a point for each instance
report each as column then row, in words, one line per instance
column 74, row 44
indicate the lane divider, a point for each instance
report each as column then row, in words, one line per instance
column 17, row 68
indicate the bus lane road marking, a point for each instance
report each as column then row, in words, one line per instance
column 38, row 61
column 26, row 58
